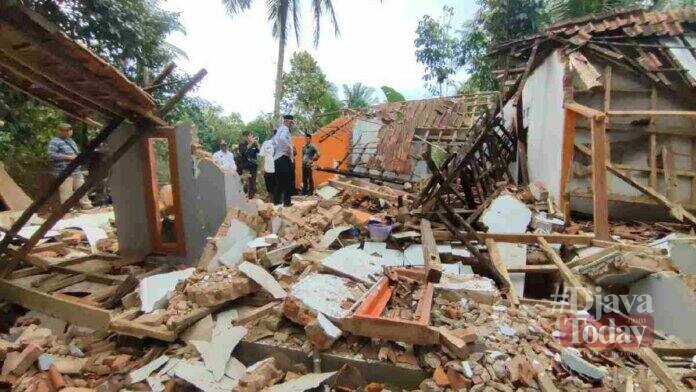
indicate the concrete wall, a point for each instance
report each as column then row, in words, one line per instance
column 127, row 184
column 543, row 115
column 206, row 194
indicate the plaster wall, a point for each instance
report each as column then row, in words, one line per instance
column 543, row 115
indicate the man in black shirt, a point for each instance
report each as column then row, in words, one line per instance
column 249, row 152
column 310, row 154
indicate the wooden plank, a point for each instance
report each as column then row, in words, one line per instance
column 256, row 313
column 356, row 188
column 584, row 111
column 670, row 177
column 665, row 348
column 677, row 210
column 139, row 330
column 583, row 295
column 433, row 265
column 521, row 238
column 541, row 268
column 499, row 265
column 653, row 113
column 50, row 287
column 600, row 203
column 661, row 370
column 71, row 312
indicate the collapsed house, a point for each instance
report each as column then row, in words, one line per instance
column 470, row 278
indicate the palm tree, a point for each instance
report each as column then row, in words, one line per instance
column 284, row 15
column 560, row 10
column 358, row 96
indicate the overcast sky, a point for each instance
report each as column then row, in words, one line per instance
column 375, row 47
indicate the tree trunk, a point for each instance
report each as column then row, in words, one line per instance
column 279, row 76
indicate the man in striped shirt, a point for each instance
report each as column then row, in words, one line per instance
column 61, row 150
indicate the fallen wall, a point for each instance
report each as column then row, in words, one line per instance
column 673, row 304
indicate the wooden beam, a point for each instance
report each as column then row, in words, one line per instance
column 584, row 297
column 600, row 204
column 499, row 265
column 356, row 188
column 69, row 311
column 520, row 238
column 662, row 347
column 584, row 111
column 195, row 79
column 433, row 265
column 569, row 125
column 652, row 113
column 677, row 210
column 532, row 268
column 661, row 370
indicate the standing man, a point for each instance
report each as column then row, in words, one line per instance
column 61, row 150
column 225, row 158
column 283, row 164
column 309, row 155
column 249, row 151
column 267, row 152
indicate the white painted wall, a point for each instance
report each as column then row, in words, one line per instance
column 543, row 114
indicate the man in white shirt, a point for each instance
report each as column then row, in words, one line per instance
column 267, row 152
column 224, row 158
column 283, row 153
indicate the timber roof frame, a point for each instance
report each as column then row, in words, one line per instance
column 43, row 62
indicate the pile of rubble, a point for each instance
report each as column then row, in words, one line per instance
column 347, row 277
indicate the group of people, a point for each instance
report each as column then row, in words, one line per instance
column 278, row 155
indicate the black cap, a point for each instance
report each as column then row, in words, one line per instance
column 288, row 117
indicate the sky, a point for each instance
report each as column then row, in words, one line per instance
column 375, row 47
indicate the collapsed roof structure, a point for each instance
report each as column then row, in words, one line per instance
column 470, row 275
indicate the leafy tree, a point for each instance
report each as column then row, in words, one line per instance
column 262, row 126
column 436, row 49
column 127, row 33
column 212, row 126
column 392, row 95
column 495, row 22
column 306, row 92
column 284, row 15
column 358, row 96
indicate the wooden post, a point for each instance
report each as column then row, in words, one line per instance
column 670, row 177
column 567, row 160
column 607, row 107
column 56, row 215
column 652, row 182
column 56, row 183
column 433, row 265
column 600, row 203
